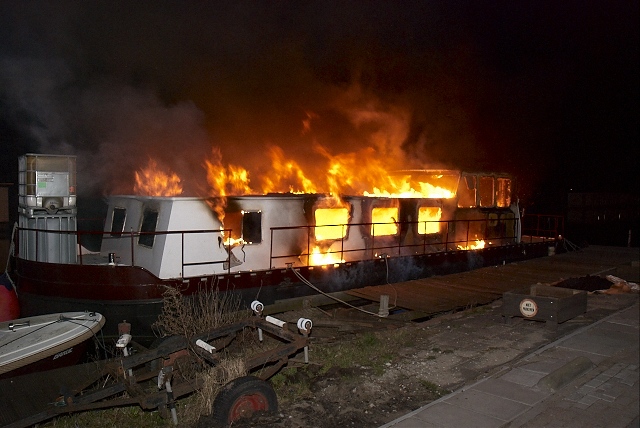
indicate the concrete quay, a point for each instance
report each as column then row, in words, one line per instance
column 587, row 378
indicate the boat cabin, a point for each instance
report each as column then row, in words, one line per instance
column 175, row 237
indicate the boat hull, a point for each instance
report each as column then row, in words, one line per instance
column 132, row 294
column 46, row 342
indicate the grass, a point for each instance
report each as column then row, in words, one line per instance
column 368, row 350
column 132, row 416
column 204, row 311
column 371, row 351
column 433, row 388
column 292, row 383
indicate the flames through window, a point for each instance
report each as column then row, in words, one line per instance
column 384, row 221
column 246, row 226
column 331, row 223
column 428, row 218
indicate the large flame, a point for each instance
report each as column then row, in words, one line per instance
column 226, row 180
column 364, row 172
column 331, row 223
column 151, row 181
column 317, row 257
column 401, row 187
column 286, row 175
column 384, row 221
column 428, row 218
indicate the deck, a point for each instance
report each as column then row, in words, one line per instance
column 430, row 296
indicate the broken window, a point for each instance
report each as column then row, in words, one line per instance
column 330, row 223
column 252, row 227
column 503, row 192
column 117, row 222
column 428, row 220
column 148, row 228
column 246, row 226
column 467, row 192
column 384, row 220
column 486, row 191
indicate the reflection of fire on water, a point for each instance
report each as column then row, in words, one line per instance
column 479, row 244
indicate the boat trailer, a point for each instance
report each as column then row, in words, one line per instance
column 155, row 378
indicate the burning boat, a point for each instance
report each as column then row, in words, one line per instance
column 273, row 247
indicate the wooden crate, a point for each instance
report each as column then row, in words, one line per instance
column 553, row 305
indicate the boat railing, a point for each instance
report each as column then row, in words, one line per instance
column 452, row 235
column 80, row 237
column 541, row 227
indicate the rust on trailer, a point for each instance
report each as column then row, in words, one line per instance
column 34, row 398
column 481, row 286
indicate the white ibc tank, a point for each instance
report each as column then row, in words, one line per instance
column 47, row 182
column 48, row 238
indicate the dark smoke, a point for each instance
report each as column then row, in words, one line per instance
column 516, row 87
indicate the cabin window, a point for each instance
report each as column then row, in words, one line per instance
column 148, row 228
column 503, row 192
column 252, row 227
column 486, row 191
column 428, row 218
column 467, row 192
column 117, row 222
column 330, row 223
column 384, row 221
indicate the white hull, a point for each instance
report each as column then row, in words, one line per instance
column 28, row 340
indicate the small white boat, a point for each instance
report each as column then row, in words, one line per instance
column 45, row 342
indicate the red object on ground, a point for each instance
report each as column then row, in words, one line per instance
column 9, row 306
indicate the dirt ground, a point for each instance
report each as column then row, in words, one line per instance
column 409, row 366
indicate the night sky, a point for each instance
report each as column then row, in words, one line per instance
column 545, row 90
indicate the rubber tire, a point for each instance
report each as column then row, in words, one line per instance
column 242, row 397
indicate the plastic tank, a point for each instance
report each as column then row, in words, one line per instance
column 48, row 238
column 47, row 208
column 47, row 182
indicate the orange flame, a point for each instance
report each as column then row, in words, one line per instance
column 224, row 181
column 286, row 175
column 478, row 245
column 428, row 218
column 317, row 257
column 150, row 181
column 330, row 223
column 355, row 172
column 403, row 188
column 365, row 172
column 384, row 220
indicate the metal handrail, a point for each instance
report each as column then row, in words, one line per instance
column 547, row 227
column 397, row 245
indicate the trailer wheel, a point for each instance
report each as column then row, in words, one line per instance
column 242, row 397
